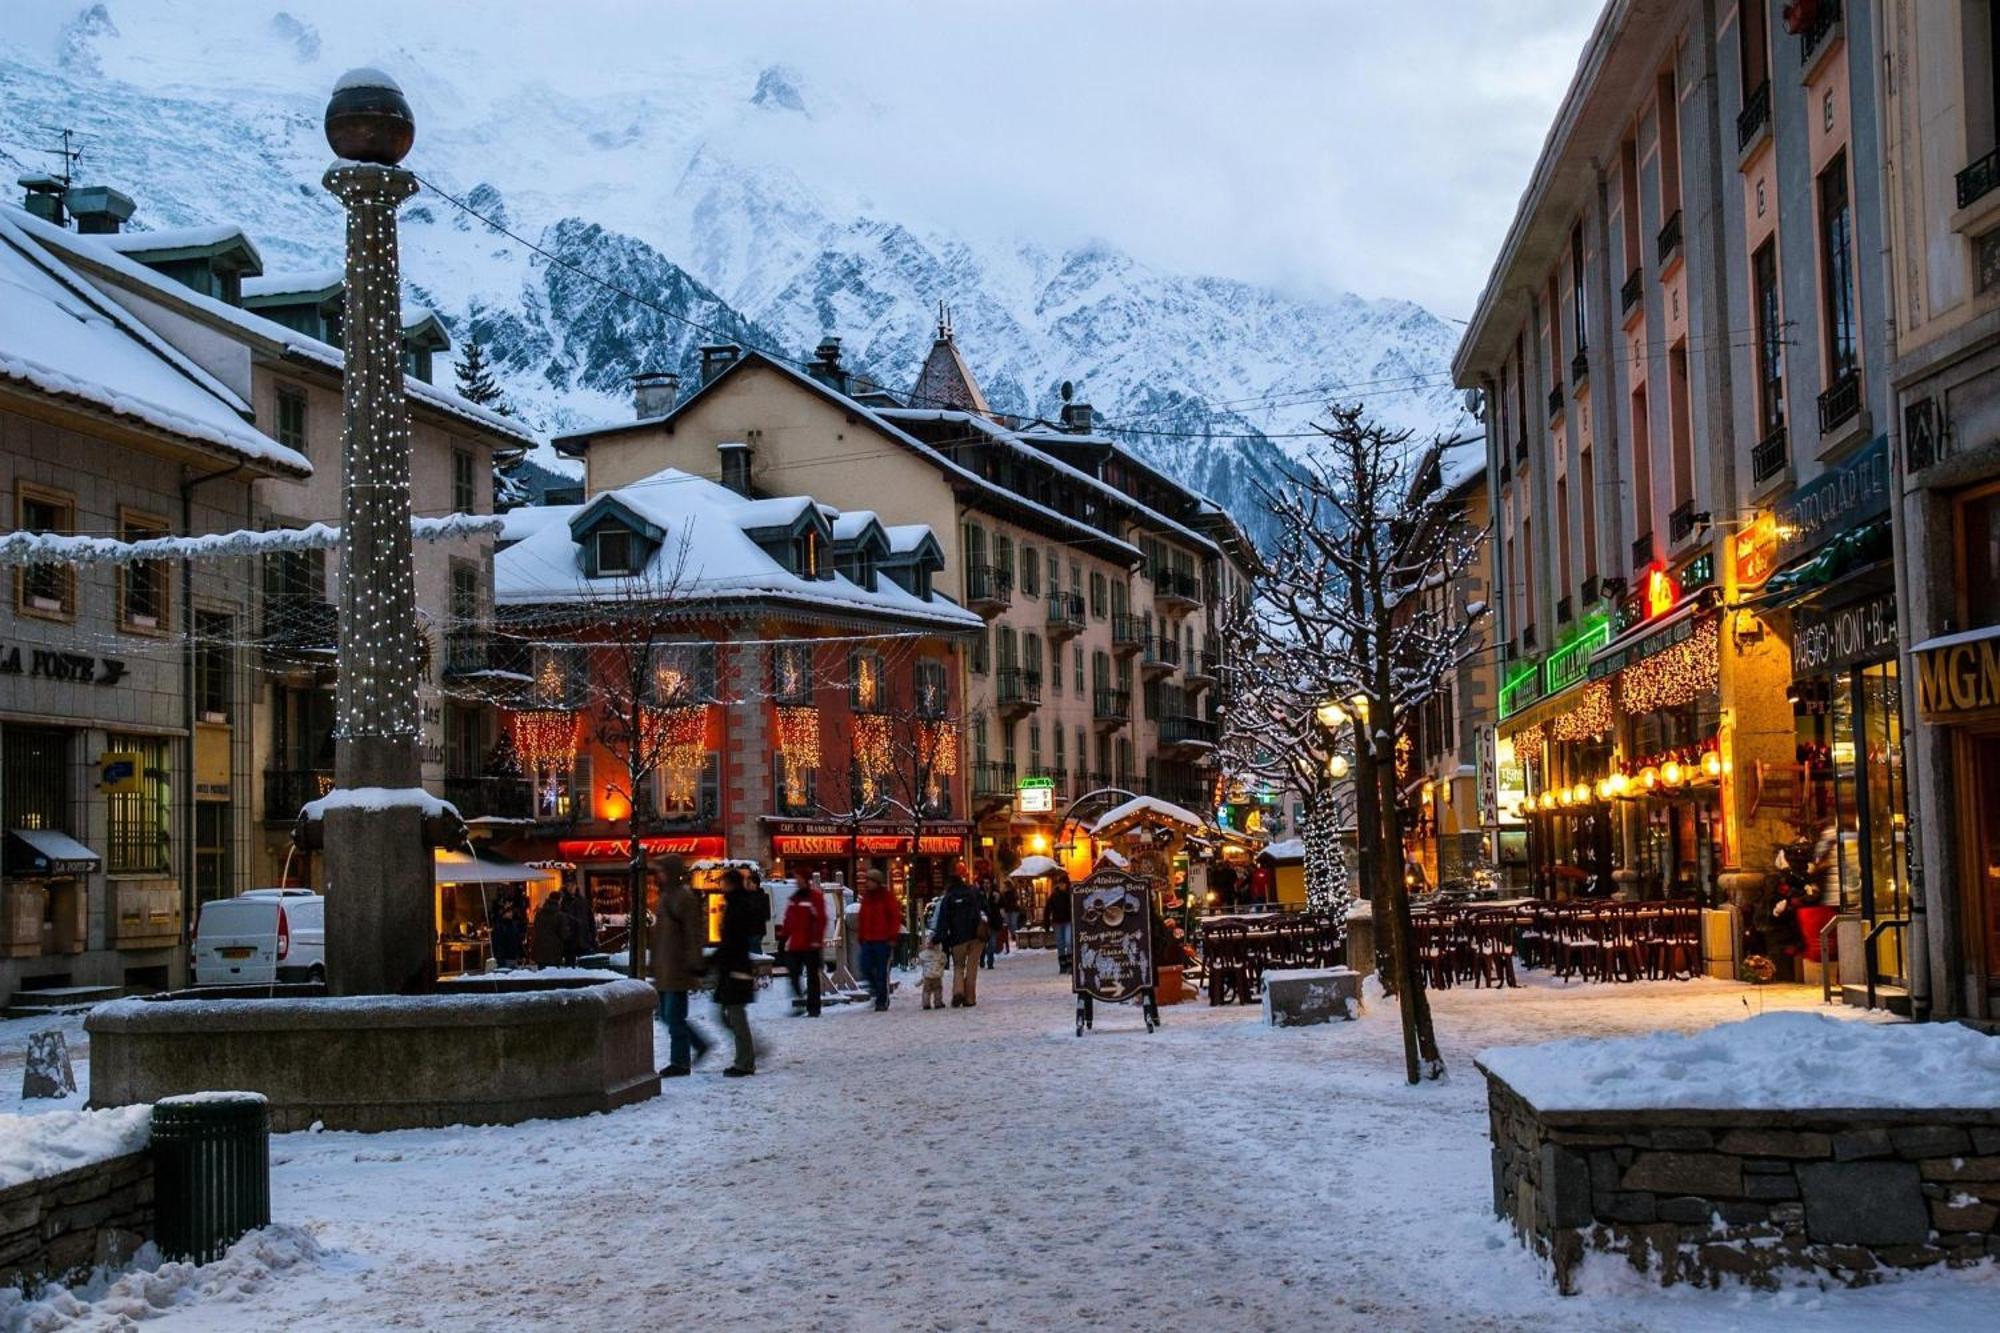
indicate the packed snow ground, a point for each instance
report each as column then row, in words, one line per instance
column 954, row 1170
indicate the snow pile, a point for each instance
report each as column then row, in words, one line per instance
column 377, row 798
column 33, row 1147
column 119, row 1300
column 1778, row 1061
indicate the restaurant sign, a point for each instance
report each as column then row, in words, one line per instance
column 1959, row 674
column 618, row 849
column 1035, row 796
column 1836, row 501
column 1847, row 636
column 1112, row 915
column 864, row 844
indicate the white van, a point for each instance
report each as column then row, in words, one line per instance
column 261, row 937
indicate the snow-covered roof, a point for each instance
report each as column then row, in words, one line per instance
column 247, row 323
column 1033, row 867
column 724, row 564
column 178, row 238
column 1460, row 461
column 62, row 336
column 907, row 537
column 1146, row 806
column 296, row 283
column 852, row 524
column 1291, row 849
column 777, row 512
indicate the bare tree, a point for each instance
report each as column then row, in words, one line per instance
column 1359, row 619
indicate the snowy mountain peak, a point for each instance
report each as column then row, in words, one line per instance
column 778, row 90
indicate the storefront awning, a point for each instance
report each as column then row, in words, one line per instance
column 459, row 868
column 40, row 851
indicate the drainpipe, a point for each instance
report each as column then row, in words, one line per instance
column 188, row 713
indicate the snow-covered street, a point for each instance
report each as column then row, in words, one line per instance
column 987, row 1169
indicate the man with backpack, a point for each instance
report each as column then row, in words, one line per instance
column 961, row 931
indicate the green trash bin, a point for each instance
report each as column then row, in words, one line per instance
column 211, row 1171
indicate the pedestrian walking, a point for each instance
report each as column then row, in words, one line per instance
column 877, row 927
column 996, row 925
column 680, row 940
column 548, row 942
column 745, row 914
column 510, row 931
column 801, row 935
column 1056, row 916
column 961, row 931
column 1010, row 907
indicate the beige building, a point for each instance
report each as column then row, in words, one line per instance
column 1099, row 579
column 190, row 289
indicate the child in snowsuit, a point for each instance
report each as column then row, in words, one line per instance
column 931, row 960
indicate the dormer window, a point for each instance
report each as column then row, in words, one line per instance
column 617, row 551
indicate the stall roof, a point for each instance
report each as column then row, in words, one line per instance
column 1141, row 807
column 1034, row 867
column 459, row 868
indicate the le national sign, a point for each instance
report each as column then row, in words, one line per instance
column 1959, row 675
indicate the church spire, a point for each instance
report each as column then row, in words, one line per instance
column 946, row 382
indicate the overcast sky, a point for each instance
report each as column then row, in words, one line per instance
column 1377, row 146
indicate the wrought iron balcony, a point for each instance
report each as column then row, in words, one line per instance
column 1590, row 590
column 1670, row 238
column 1528, row 639
column 1769, row 457
column 1642, row 551
column 1017, row 691
column 1555, row 402
column 1163, row 656
column 1840, row 403
column 1579, row 366
column 1128, row 633
column 1977, row 181
column 1111, row 708
column 468, row 653
column 1200, row 672
column 992, row 779
column 1506, row 471
column 1178, row 729
column 1563, row 616
column 491, row 797
column 989, row 588
column 286, row 789
column 1178, row 587
column 1521, row 448
column 299, row 624
column 1680, row 523
column 1754, row 116
column 1824, row 16
column 1065, row 615
column 1634, row 288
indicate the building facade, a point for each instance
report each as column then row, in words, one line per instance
column 1682, row 357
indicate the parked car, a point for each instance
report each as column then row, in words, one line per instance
column 260, row 937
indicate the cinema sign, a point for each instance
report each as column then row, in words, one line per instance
column 1958, row 674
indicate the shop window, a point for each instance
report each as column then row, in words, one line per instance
column 138, row 820
column 46, row 590
column 211, row 850
column 34, row 777
column 214, row 664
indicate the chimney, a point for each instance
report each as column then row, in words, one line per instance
column 654, row 393
column 45, row 197
column 1076, row 418
column 99, row 210
column 735, row 457
column 716, row 358
column 825, row 366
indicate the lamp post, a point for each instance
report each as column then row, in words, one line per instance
column 379, row 877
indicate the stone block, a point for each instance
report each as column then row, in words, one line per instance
column 1854, row 1144
column 1565, row 1177
column 1682, row 1138
column 1770, row 1188
column 1632, row 1207
column 1790, row 1216
column 1915, row 1141
column 1961, row 1168
column 1688, row 1210
column 1864, row 1203
column 1766, row 1166
column 1603, row 1173
column 1910, row 1256
column 1963, row 1212
column 1777, row 1143
column 1986, row 1139
column 1685, row 1173
column 1305, row 996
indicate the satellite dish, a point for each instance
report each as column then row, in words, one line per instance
column 1475, row 404
column 1067, row 391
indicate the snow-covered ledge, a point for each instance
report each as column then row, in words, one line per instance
column 1784, row 1144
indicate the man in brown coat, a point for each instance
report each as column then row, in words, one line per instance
column 680, row 936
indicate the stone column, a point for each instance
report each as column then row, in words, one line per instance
column 379, row 884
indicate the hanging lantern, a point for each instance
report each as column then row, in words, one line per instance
column 1711, row 764
column 1671, row 773
column 1649, row 777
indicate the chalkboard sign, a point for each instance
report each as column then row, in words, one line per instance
column 1111, row 915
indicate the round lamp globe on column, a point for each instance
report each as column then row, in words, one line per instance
column 1336, row 767
column 368, row 120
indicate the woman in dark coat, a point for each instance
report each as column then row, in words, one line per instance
column 549, row 932
column 745, row 913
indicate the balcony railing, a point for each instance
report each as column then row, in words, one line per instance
column 1579, row 366
column 1977, row 181
column 286, row 789
column 1634, row 288
column 992, row 779
column 1768, row 458
column 1506, row 470
column 1589, row 592
column 1202, row 668
column 1824, row 17
column 1563, row 616
column 1176, row 585
column 1128, row 633
column 295, row 623
column 1642, row 551
column 1065, row 614
column 1840, row 403
column 1112, row 706
column 1670, row 238
column 491, row 797
column 1555, row 402
column 1528, row 639
column 1181, row 729
column 1680, row 523
column 1018, row 690
column 1163, row 655
column 1521, row 448
column 1754, row 116
column 468, row 653
column 989, row 587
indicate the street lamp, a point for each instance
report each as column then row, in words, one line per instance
column 1330, row 715
column 1337, row 767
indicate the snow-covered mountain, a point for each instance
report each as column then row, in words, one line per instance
column 725, row 195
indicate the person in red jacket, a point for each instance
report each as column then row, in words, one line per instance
column 877, row 928
column 802, row 932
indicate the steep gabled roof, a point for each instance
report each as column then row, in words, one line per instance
column 946, row 381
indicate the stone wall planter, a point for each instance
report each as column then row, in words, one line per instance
column 1697, row 1196
column 385, row 1062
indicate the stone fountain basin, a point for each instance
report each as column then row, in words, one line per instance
column 375, row 1062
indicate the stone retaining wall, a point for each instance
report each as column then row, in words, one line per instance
column 1699, row 1195
column 58, row 1228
